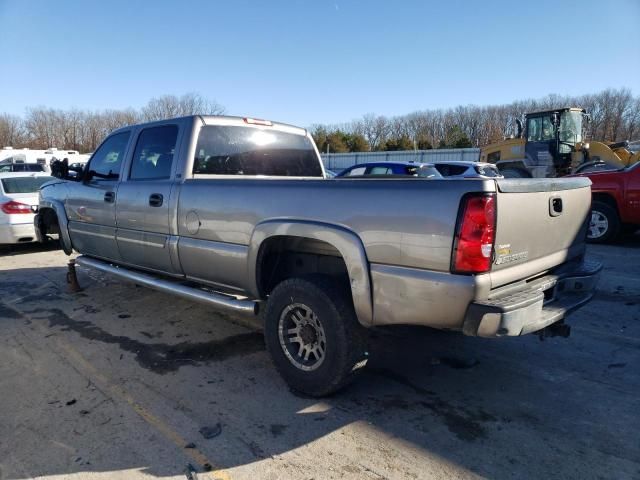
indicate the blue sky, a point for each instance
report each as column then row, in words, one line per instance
column 306, row 62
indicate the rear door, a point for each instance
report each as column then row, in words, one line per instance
column 91, row 203
column 540, row 224
column 144, row 199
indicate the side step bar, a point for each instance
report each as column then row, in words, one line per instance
column 217, row 300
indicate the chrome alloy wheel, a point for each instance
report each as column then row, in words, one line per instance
column 599, row 225
column 302, row 337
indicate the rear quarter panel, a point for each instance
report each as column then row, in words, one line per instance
column 400, row 222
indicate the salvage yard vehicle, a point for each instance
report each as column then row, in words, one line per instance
column 553, row 144
column 466, row 169
column 237, row 213
column 410, row 169
column 616, row 202
column 438, row 169
column 18, row 204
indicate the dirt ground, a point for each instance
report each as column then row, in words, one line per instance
column 119, row 381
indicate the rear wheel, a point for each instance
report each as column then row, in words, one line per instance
column 604, row 224
column 313, row 335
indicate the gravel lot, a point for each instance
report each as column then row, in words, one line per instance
column 119, row 381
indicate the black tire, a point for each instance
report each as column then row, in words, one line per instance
column 604, row 224
column 513, row 172
column 314, row 304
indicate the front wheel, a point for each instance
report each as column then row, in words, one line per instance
column 604, row 224
column 313, row 335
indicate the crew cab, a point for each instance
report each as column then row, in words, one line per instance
column 238, row 213
column 616, row 202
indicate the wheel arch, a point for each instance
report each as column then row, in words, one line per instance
column 347, row 244
column 605, row 198
column 56, row 208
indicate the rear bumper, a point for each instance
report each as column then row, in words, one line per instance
column 17, row 233
column 545, row 301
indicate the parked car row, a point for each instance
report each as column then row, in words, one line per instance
column 450, row 169
column 615, row 208
column 615, row 199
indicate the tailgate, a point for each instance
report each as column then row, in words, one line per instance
column 540, row 224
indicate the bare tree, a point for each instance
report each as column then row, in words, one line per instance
column 615, row 116
column 169, row 106
column 11, row 131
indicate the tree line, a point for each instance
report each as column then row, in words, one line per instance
column 615, row 116
column 83, row 130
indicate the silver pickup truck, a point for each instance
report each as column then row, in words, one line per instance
column 237, row 213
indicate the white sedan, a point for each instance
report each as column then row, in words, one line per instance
column 466, row 169
column 18, row 205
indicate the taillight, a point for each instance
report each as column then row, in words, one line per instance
column 12, row 208
column 475, row 234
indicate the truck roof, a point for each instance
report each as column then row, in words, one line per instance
column 225, row 120
column 564, row 109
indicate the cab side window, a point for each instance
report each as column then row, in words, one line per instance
column 154, row 153
column 540, row 129
column 106, row 162
column 380, row 171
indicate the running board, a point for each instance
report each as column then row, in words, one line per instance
column 217, row 300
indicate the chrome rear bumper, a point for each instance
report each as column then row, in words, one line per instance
column 548, row 300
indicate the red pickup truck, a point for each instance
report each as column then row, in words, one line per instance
column 615, row 202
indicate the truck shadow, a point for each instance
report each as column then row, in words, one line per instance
column 27, row 248
column 498, row 408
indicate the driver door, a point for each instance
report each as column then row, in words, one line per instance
column 91, row 203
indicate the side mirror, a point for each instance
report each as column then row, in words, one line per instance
column 60, row 169
column 87, row 175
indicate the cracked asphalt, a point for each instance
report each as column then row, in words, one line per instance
column 119, row 381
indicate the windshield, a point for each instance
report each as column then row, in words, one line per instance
column 23, row 184
column 570, row 127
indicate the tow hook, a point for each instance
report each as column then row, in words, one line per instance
column 558, row 329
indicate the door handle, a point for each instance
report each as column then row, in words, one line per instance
column 155, row 200
column 555, row 206
column 109, row 197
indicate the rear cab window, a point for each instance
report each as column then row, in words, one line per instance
column 252, row 151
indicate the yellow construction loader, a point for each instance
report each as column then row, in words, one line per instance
column 552, row 144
